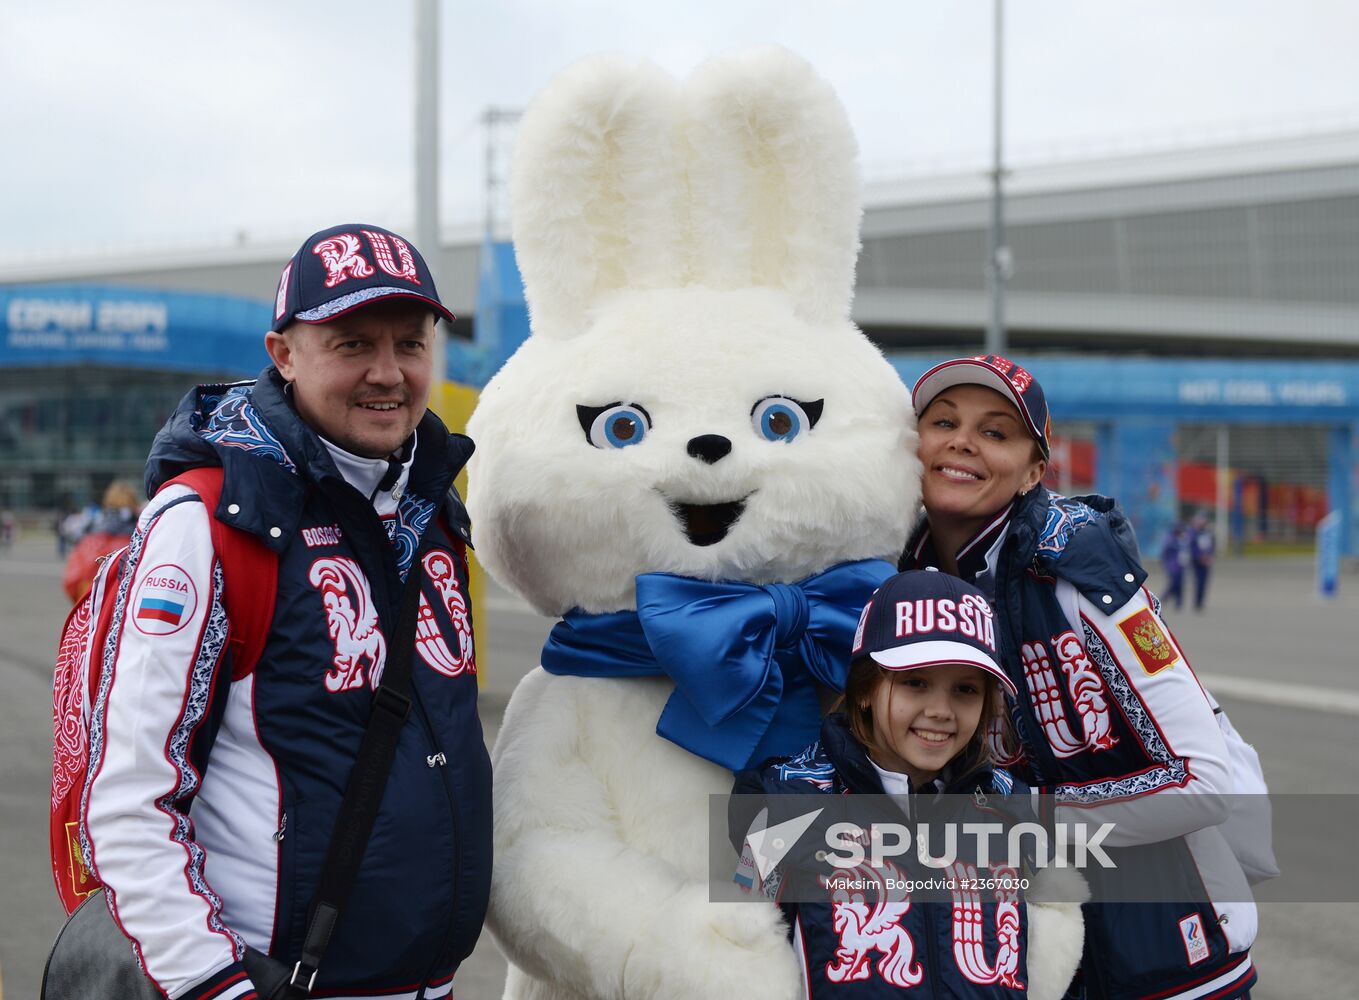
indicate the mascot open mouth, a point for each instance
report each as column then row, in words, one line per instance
column 707, row 524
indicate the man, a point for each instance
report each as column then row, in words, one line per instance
column 1174, row 555
column 213, row 792
column 1203, row 543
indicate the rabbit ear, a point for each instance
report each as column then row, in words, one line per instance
column 597, row 189
column 774, row 178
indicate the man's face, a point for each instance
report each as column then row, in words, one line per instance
column 361, row 380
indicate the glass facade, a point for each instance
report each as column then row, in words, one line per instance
column 66, row 432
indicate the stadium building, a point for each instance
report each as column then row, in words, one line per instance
column 1193, row 315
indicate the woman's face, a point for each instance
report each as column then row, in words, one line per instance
column 977, row 454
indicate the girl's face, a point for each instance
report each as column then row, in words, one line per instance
column 925, row 717
column 977, row 454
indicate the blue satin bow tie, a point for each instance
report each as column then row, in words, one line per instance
column 745, row 658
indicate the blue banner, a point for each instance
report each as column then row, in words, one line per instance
column 1184, row 390
column 125, row 327
column 502, row 318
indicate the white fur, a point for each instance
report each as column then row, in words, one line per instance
column 1056, row 931
column 597, row 190
column 688, row 248
column 569, row 525
column 600, row 881
column 774, row 181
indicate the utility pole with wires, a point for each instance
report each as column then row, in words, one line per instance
column 499, row 126
column 998, row 265
column 502, row 315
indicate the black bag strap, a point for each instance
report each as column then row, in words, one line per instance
column 363, row 794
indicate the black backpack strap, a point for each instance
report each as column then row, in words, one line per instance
column 363, row 794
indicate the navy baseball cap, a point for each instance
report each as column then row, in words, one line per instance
column 345, row 267
column 994, row 372
column 924, row 618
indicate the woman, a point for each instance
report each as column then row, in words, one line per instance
column 1109, row 710
column 109, row 533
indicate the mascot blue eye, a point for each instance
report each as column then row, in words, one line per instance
column 779, row 418
column 616, row 425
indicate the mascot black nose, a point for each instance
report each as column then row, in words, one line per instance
column 709, row 447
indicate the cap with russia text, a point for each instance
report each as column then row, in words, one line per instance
column 924, row 618
column 348, row 266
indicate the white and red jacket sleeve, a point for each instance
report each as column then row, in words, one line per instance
column 151, row 726
column 1184, row 770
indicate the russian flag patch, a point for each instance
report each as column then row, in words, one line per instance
column 165, row 600
column 157, row 609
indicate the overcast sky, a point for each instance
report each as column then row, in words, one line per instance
column 151, row 124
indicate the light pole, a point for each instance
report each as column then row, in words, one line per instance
column 427, row 154
column 998, row 260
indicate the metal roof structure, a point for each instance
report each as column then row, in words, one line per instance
column 1242, row 249
column 1248, row 249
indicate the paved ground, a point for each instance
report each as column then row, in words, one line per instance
column 1280, row 660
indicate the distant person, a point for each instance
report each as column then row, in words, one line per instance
column 110, row 531
column 71, row 525
column 6, row 529
column 59, row 529
column 214, row 790
column 1203, row 544
column 1174, row 557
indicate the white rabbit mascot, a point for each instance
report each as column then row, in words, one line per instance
column 699, row 463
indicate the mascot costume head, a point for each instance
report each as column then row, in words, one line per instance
column 701, row 465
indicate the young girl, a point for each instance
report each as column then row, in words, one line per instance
column 923, row 684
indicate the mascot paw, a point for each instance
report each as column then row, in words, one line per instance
column 697, row 949
column 1056, row 930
